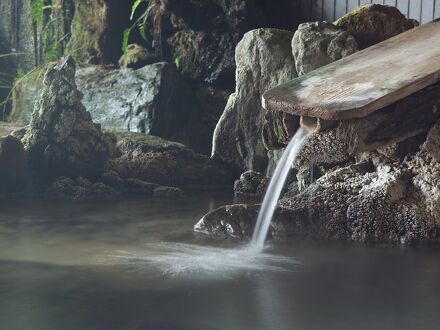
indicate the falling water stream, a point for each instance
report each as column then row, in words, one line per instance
column 275, row 187
column 181, row 259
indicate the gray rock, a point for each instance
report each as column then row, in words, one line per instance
column 62, row 140
column 251, row 183
column 319, row 43
column 397, row 202
column 152, row 100
column 264, row 60
column 432, row 143
column 13, row 169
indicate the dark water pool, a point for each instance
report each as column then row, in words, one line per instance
column 136, row 264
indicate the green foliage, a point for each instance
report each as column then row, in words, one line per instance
column 135, row 5
column 177, row 63
column 52, row 48
column 139, row 22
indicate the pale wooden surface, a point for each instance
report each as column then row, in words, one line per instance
column 366, row 81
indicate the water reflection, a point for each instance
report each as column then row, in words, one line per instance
column 136, row 264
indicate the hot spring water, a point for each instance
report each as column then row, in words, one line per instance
column 177, row 259
column 275, row 187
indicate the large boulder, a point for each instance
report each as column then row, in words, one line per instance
column 62, row 139
column 153, row 159
column 264, row 59
column 319, row 43
column 152, row 100
column 13, row 168
column 373, row 23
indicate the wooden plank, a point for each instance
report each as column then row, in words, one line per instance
column 366, row 81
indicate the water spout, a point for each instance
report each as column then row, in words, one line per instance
column 275, row 187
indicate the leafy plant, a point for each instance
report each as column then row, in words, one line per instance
column 140, row 22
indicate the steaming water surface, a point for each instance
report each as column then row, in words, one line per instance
column 137, row 264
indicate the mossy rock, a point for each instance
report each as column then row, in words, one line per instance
column 373, row 23
column 136, row 57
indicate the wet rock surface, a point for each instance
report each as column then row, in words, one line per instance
column 251, row 183
column 379, row 200
column 152, row 100
column 320, row 43
column 264, row 60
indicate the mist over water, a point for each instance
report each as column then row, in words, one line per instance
column 275, row 187
column 184, row 260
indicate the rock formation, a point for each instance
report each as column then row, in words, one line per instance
column 319, row 43
column 62, row 139
column 264, row 59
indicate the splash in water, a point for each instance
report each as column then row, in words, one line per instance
column 275, row 187
column 180, row 260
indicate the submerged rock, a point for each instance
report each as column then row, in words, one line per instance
column 373, row 23
column 80, row 189
column 320, row 43
column 264, row 59
column 62, row 140
column 13, row 167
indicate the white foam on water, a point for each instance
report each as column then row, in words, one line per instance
column 275, row 187
column 180, row 259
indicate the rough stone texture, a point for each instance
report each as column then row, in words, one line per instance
column 380, row 201
column 319, row 43
column 432, row 143
column 79, row 190
column 193, row 31
column 264, row 60
column 62, row 139
column 373, row 23
column 199, row 56
column 156, row 160
column 251, row 183
column 152, row 100
column 97, row 30
column 136, row 57
column 13, row 169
